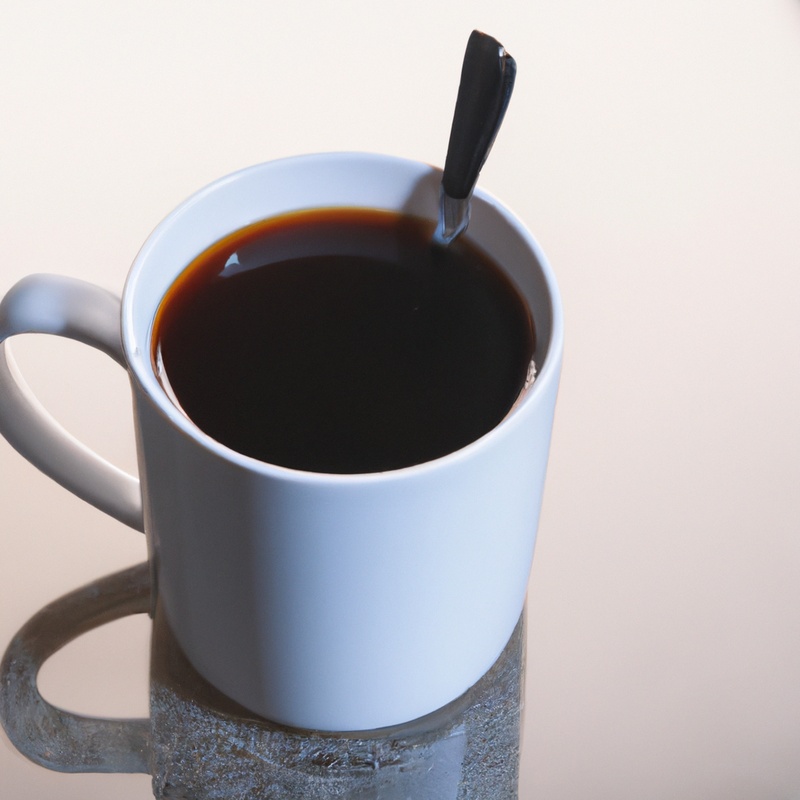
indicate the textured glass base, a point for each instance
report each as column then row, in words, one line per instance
column 205, row 746
column 200, row 745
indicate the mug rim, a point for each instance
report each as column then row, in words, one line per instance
column 139, row 358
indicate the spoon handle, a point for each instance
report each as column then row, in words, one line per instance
column 487, row 79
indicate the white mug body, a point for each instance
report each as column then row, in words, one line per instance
column 339, row 602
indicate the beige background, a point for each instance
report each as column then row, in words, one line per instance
column 654, row 149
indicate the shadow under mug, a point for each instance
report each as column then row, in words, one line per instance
column 330, row 602
column 199, row 744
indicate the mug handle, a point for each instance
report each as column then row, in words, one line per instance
column 50, row 736
column 76, row 310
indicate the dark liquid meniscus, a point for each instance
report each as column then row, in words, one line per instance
column 343, row 341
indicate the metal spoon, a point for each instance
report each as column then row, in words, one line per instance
column 487, row 79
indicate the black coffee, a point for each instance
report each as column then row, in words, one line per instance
column 342, row 340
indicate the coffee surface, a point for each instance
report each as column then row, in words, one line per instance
column 343, row 341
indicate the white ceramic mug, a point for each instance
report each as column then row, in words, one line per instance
column 333, row 602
